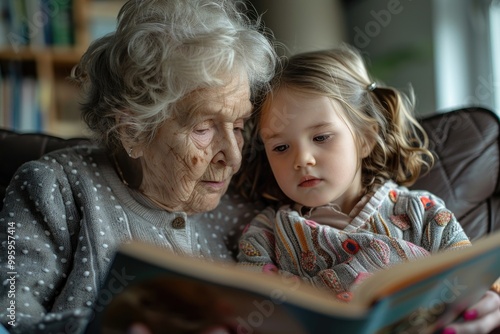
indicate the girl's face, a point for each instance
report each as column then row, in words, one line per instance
column 311, row 150
column 190, row 163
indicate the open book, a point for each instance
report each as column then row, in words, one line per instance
column 176, row 294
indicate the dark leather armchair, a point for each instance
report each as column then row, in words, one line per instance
column 466, row 173
column 16, row 149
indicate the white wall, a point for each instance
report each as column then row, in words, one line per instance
column 303, row 25
column 463, row 54
column 444, row 49
column 396, row 37
column 494, row 20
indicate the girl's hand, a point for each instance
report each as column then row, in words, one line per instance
column 482, row 317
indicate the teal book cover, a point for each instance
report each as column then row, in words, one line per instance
column 177, row 294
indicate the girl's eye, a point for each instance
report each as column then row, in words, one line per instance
column 321, row 138
column 280, row 148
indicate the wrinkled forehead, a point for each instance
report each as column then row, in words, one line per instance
column 231, row 99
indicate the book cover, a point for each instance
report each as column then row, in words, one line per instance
column 62, row 28
column 47, row 9
column 4, row 99
column 15, row 86
column 36, row 21
column 4, row 23
column 27, row 110
column 178, row 294
column 18, row 34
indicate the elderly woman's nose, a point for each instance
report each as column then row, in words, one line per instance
column 229, row 150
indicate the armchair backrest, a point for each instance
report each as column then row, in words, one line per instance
column 17, row 148
column 466, row 172
column 465, row 175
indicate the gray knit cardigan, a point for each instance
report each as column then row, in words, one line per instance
column 64, row 217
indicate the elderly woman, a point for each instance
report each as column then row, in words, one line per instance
column 166, row 96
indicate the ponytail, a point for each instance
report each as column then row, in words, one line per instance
column 401, row 152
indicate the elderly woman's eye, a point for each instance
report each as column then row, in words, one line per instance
column 201, row 131
column 239, row 129
column 239, row 126
column 202, row 128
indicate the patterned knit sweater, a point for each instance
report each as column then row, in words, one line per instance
column 65, row 215
column 392, row 226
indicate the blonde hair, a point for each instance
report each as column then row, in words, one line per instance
column 376, row 114
column 161, row 51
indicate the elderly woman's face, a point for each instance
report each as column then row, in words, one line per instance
column 190, row 163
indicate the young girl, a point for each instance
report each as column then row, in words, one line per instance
column 335, row 151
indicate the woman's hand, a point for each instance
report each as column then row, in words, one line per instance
column 482, row 317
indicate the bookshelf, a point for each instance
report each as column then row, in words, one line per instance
column 40, row 42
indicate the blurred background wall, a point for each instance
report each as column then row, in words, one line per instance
column 447, row 50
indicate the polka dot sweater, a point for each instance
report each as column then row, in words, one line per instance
column 394, row 225
column 66, row 214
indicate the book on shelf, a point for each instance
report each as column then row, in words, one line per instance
column 17, row 24
column 20, row 99
column 62, row 26
column 37, row 19
column 37, row 23
column 102, row 17
column 4, row 24
column 4, row 101
column 178, row 294
column 28, row 111
column 15, row 84
column 45, row 6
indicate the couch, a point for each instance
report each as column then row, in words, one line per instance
column 466, row 173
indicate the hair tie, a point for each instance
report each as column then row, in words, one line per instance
column 371, row 87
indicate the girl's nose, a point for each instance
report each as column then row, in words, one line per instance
column 304, row 159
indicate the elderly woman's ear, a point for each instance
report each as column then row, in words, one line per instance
column 126, row 160
column 128, row 137
column 129, row 168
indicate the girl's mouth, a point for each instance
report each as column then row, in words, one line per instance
column 309, row 181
